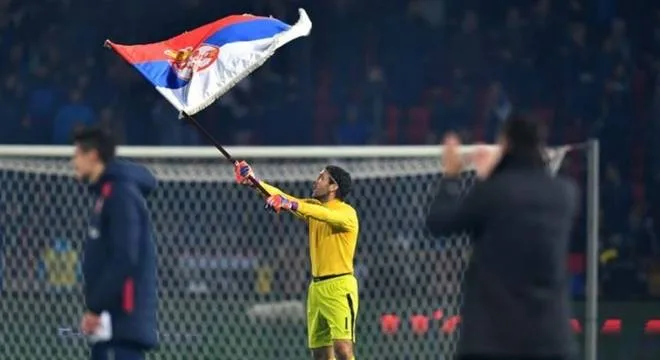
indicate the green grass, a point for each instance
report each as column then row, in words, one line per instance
column 209, row 327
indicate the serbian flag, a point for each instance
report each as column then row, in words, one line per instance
column 194, row 69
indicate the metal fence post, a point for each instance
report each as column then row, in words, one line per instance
column 593, row 215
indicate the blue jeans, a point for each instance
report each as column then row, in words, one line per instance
column 105, row 351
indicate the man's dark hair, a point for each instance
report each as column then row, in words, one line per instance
column 96, row 138
column 524, row 137
column 522, row 133
column 343, row 180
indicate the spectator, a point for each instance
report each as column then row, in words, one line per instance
column 355, row 131
column 608, row 59
column 580, row 81
column 617, row 199
column 108, row 120
column 11, row 126
column 620, row 38
column 42, row 104
column 17, row 57
column 467, row 45
column 621, row 274
column 460, row 107
column 70, row 117
column 617, row 111
column 498, row 107
column 642, row 234
column 512, row 43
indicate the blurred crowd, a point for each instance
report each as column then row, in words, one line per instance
column 375, row 72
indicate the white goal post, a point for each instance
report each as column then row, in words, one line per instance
column 233, row 276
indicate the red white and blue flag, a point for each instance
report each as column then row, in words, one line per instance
column 194, row 69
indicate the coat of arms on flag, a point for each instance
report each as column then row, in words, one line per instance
column 186, row 62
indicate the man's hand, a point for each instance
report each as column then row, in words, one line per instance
column 485, row 159
column 243, row 173
column 279, row 202
column 89, row 323
column 452, row 164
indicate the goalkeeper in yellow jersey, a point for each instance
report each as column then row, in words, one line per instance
column 332, row 298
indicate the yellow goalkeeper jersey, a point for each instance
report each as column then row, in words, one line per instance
column 333, row 232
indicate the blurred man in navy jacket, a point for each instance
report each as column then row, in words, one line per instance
column 119, row 265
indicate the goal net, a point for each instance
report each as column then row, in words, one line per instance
column 232, row 275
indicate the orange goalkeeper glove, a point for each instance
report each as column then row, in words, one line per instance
column 279, row 202
column 243, row 174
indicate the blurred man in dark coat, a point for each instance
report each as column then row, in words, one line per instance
column 519, row 216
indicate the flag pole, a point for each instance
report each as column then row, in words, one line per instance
column 206, row 134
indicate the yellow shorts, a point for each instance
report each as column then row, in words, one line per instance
column 332, row 307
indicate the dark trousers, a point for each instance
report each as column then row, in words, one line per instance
column 105, row 351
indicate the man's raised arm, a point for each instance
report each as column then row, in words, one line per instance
column 243, row 172
column 343, row 218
